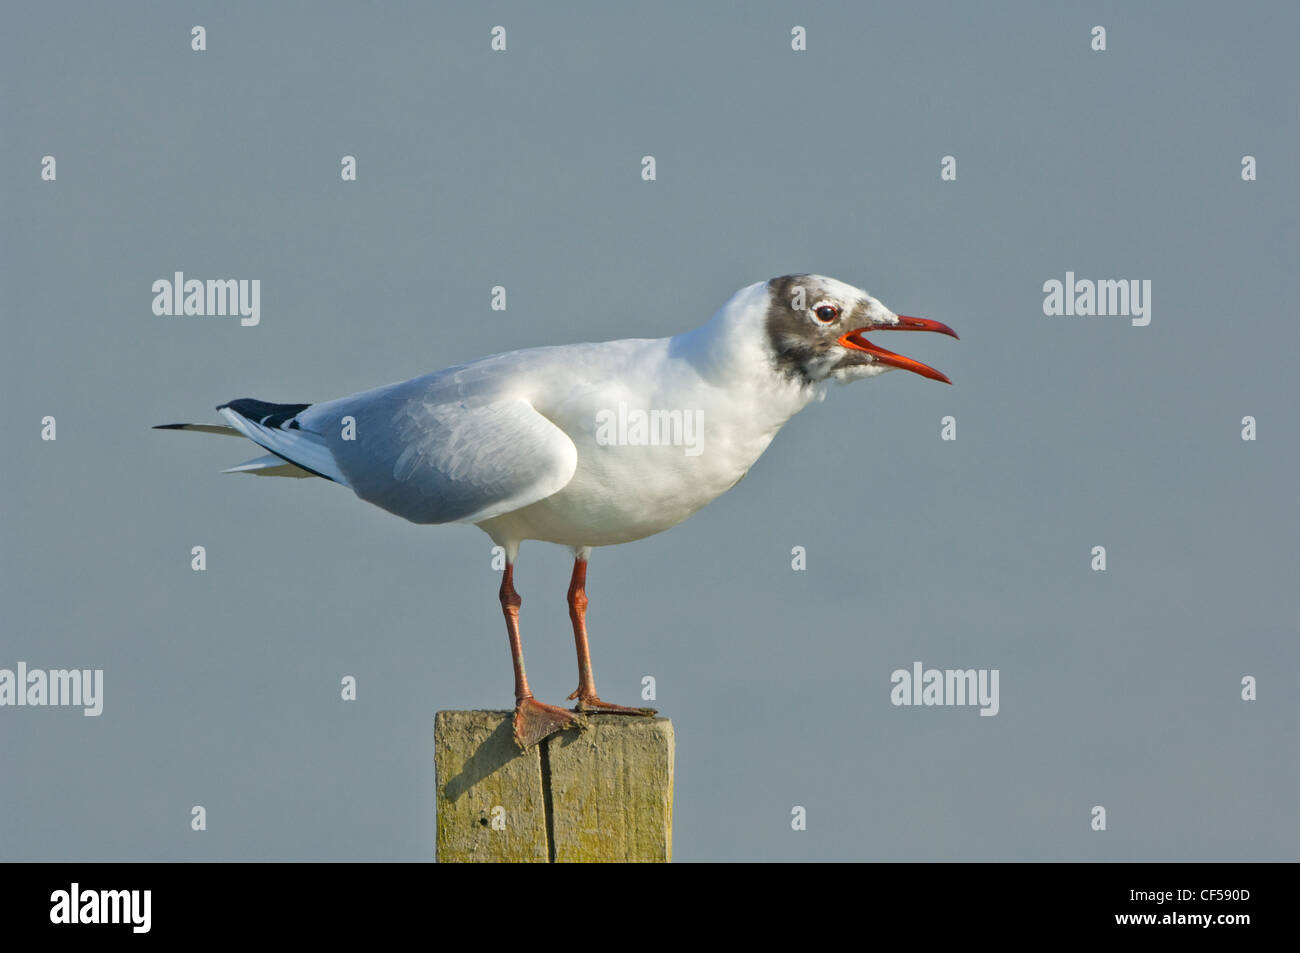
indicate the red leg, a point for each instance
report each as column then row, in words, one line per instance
column 533, row 721
column 586, row 695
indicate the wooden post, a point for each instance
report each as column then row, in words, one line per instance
column 602, row 794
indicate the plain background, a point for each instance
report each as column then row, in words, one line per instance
column 522, row 169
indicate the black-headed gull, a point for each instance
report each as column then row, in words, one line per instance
column 584, row 444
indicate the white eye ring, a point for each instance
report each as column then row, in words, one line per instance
column 827, row 313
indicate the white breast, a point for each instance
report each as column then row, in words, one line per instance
column 661, row 428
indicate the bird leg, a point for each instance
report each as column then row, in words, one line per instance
column 533, row 721
column 586, row 695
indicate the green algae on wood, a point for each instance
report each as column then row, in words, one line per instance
column 603, row 794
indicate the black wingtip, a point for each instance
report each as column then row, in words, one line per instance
column 264, row 412
column 170, row 426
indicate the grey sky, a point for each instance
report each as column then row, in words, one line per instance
column 522, row 169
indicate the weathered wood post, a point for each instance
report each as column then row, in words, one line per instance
column 602, row 794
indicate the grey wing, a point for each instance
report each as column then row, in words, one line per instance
column 450, row 447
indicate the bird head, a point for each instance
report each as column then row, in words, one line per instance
column 817, row 327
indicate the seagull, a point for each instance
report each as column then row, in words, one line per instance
column 583, row 445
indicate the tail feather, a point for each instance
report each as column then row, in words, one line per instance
column 275, row 427
column 271, row 465
column 203, row 428
column 294, row 452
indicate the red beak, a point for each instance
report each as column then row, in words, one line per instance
column 855, row 341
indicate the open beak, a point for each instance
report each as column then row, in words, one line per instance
column 855, row 341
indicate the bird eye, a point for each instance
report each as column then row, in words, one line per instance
column 827, row 313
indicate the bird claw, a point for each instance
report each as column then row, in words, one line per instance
column 534, row 721
column 593, row 705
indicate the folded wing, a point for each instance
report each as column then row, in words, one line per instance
column 449, row 447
